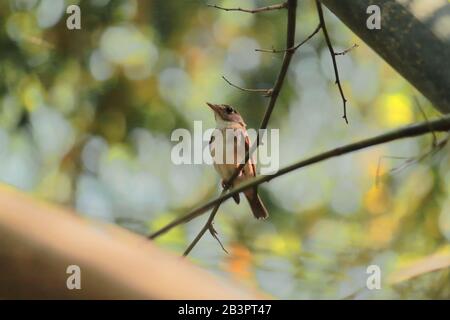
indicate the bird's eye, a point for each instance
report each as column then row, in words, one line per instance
column 229, row 110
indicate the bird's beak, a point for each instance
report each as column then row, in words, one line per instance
column 214, row 107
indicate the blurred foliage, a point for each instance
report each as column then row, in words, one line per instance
column 86, row 118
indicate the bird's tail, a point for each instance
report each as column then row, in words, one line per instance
column 257, row 206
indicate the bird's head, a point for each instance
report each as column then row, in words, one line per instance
column 226, row 113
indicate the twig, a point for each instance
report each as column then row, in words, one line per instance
column 442, row 124
column 290, row 38
column 262, row 9
column 333, row 57
column 265, row 92
column 435, row 147
column 294, row 48
column 417, row 102
column 214, row 234
column 205, row 228
column 346, row 50
column 377, row 175
column 413, row 160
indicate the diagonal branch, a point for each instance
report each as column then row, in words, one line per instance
column 207, row 226
column 257, row 10
column 442, row 125
column 290, row 40
column 333, row 57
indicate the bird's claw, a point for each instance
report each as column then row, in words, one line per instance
column 225, row 184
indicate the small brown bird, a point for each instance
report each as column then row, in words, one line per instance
column 231, row 135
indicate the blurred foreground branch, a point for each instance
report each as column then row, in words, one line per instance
column 435, row 262
column 39, row 241
column 442, row 124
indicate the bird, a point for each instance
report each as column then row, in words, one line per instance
column 231, row 135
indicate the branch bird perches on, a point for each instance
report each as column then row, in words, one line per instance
column 439, row 125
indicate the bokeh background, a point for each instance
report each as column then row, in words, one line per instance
column 86, row 118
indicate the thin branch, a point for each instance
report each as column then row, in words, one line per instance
column 257, row 10
column 265, row 92
column 214, row 233
column 377, row 175
column 414, row 160
column 436, row 146
column 294, row 48
column 342, row 53
column 417, row 102
column 333, row 57
column 205, row 227
column 290, row 38
column 442, row 124
column 290, row 41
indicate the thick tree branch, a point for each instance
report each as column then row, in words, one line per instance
column 442, row 124
column 257, row 10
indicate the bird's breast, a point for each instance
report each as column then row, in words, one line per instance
column 228, row 146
